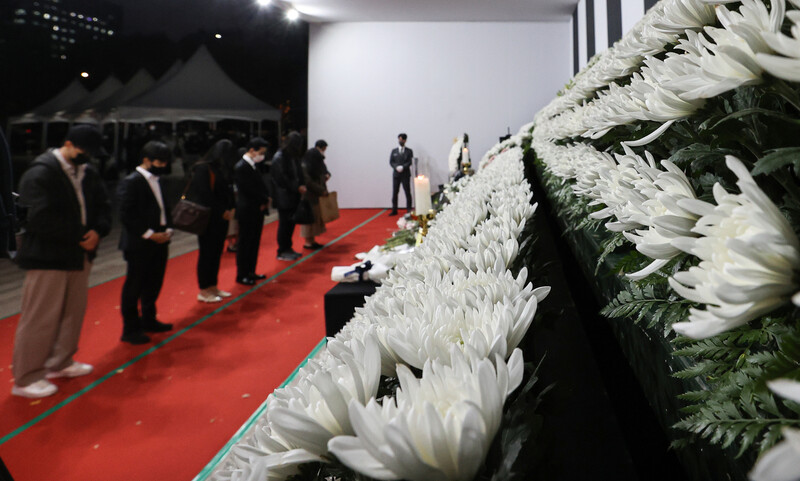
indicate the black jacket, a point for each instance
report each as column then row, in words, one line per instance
column 139, row 211
column 53, row 227
column 212, row 188
column 314, row 173
column 404, row 159
column 251, row 191
column 287, row 175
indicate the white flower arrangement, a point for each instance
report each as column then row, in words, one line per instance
column 713, row 61
column 749, row 254
column 453, row 309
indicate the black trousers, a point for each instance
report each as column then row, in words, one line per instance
column 248, row 244
column 212, row 243
column 285, row 230
column 143, row 283
column 396, row 181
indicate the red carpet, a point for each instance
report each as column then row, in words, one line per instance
column 165, row 415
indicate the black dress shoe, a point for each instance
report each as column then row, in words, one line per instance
column 156, row 326
column 315, row 246
column 394, row 212
column 258, row 277
column 134, row 337
column 246, row 281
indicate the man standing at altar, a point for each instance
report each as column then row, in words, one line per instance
column 400, row 160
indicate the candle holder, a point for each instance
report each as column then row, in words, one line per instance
column 424, row 221
column 466, row 168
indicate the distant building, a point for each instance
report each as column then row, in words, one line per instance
column 61, row 24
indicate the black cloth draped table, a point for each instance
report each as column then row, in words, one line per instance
column 341, row 302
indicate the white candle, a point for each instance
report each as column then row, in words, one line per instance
column 422, row 194
column 464, row 156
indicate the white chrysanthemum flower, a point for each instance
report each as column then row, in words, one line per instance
column 781, row 462
column 311, row 411
column 786, row 65
column 264, row 457
column 655, row 206
column 750, row 258
column 681, row 15
column 729, row 60
column 455, row 151
column 437, row 428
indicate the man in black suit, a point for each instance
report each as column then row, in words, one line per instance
column 400, row 161
column 252, row 202
column 146, row 232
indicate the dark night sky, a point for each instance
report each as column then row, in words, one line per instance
column 257, row 42
column 178, row 18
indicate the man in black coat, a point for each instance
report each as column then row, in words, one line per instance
column 252, row 202
column 68, row 211
column 145, row 217
column 400, row 160
column 287, row 175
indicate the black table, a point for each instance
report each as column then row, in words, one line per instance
column 4, row 474
column 341, row 303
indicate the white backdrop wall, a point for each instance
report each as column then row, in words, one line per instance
column 370, row 81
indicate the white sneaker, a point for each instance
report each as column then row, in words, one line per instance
column 73, row 370
column 223, row 293
column 40, row 388
column 208, row 298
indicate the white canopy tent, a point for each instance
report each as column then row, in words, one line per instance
column 196, row 90
column 138, row 84
column 105, row 90
column 44, row 112
column 61, row 101
column 202, row 91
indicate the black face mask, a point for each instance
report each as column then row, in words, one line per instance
column 81, row 159
column 157, row 170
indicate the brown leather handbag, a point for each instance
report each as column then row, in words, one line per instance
column 190, row 216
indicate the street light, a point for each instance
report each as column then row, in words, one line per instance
column 85, row 74
column 218, row 36
column 292, row 14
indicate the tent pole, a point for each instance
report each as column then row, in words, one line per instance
column 125, row 131
column 116, row 142
column 44, row 135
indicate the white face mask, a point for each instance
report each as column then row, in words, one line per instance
column 258, row 158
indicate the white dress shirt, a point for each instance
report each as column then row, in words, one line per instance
column 75, row 173
column 152, row 181
column 250, row 161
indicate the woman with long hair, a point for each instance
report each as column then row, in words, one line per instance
column 316, row 174
column 212, row 188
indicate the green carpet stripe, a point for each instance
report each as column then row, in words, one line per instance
column 54, row 409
